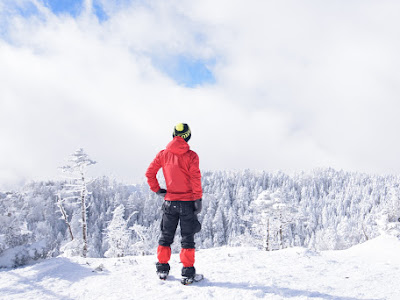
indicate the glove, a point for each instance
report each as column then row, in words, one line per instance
column 161, row 192
column 197, row 206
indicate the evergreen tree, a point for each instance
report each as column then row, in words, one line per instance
column 117, row 234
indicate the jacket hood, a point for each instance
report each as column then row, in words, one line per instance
column 178, row 146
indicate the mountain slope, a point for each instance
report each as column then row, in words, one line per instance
column 367, row 271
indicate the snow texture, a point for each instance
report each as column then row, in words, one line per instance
column 367, row 271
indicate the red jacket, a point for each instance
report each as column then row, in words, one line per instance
column 181, row 172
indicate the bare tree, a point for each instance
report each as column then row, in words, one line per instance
column 64, row 214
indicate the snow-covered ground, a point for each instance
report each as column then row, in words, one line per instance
column 367, row 271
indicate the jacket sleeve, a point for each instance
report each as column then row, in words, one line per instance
column 195, row 177
column 152, row 171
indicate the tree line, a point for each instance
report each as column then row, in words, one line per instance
column 323, row 209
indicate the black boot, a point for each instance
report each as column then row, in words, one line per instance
column 188, row 274
column 162, row 270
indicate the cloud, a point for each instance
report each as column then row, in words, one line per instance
column 332, row 69
column 272, row 85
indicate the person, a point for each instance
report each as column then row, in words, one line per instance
column 182, row 200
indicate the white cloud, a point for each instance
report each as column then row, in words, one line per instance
column 298, row 85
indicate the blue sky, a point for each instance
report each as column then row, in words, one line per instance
column 59, row 7
column 71, row 7
column 186, row 71
column 75, row 7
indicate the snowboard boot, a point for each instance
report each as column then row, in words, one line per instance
column 188, row 275
column 162, row 270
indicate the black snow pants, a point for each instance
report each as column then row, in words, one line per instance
column 173, row 212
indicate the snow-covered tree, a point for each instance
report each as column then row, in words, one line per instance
column 273, row 215
column 76, row 189
column 64, row 214
column 260, row 220
column 218, row 228
column 117, row 234
column 334, row 210
column 393, row 204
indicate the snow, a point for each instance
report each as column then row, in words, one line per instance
column 367, row 271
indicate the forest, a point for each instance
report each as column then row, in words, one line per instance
column 322, row 209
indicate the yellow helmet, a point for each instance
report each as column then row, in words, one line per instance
column 182, row 130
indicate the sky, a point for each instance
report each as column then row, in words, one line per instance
column 264, row 85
